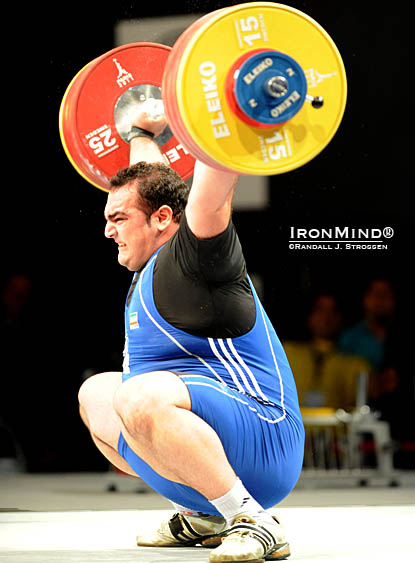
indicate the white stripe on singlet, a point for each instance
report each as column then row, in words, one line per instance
column 234, row 362
column 238, row 358
column 275, row 363
column 238, row 399
column 247, row 369
column 225, row 364
column 152, row 319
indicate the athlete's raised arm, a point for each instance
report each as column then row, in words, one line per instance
column 209, row 205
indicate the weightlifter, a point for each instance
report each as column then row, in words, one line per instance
column 206, row 409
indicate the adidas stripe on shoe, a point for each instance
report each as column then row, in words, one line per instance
column 250, row 540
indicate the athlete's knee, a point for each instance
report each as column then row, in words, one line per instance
column 84, row 415
column 83, row 400
column 95, row 400
column 86, row 394
column 136, row 408
column 141, row 401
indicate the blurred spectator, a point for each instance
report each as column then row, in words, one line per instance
column 383, row 339
column 367, row 338
column 324, row 376
column 374, row 338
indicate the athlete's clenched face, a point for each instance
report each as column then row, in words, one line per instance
column 130, row 228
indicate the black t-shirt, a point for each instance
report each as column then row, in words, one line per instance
column 200, row 286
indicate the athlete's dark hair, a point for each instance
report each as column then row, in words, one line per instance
column 157, row 184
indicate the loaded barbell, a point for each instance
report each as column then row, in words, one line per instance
column 257, row 88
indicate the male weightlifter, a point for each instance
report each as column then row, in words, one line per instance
column 206, row 409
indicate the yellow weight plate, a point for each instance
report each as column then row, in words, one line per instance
column 200, row 88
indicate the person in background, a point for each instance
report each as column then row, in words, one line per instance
column 368, row 337
column 325, row 376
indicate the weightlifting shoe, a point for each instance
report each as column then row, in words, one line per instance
column 187, row 530
column 250, row 540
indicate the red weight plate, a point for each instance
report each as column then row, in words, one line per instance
column 68, row 134
column 92, row 111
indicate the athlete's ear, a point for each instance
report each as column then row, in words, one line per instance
column 162, row 217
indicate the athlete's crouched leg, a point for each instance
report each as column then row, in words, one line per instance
column 96, row 406
column 158, row 425
column 142, row 400
column 96, row 397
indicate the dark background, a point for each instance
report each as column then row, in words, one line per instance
column 53, row 219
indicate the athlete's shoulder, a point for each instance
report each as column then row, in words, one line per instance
column 217, row 259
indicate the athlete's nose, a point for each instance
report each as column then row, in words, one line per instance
column 110, row 230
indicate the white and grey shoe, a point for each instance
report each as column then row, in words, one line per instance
column 250, row 540
column 187, row 530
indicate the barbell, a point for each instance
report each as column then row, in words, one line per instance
column 257, row 88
